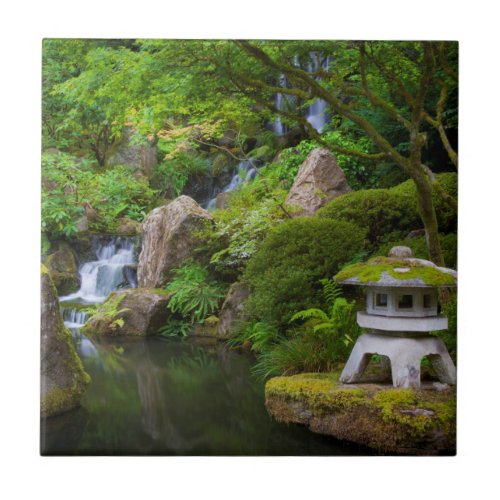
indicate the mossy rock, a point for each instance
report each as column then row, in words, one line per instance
column 135, row 312
column 61, row 265
column 389, row 420
column 63, row 379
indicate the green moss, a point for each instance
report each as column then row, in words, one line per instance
column 385, row 418
column 371, row 272
column 319, row 390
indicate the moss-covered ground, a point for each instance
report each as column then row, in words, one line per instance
column 388, row 419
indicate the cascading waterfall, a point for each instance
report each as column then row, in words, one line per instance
column 245, row 171
column 316, row 113
column 107, row 273
column 112, row 270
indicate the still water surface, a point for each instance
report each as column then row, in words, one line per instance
column 171, row 397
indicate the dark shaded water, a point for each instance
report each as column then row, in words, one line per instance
column 171, row 397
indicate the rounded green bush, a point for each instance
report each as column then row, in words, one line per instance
column 284, row 273
column 388, row 214
column 446, row 214
column 379, row 211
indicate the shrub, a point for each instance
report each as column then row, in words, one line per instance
column 382, row 213
column 285, row 271
column 446, row 214
column 69, row 184
column 388, row 214
column 419, row 249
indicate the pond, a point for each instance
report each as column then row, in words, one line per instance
column 160, row 396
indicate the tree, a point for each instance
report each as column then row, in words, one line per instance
column 408, row 82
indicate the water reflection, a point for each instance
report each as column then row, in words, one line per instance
column 169, row 397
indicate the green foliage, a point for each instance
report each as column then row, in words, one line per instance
column 382, row 213
column 260, row 335
column 339, row 320
column 446, row 214
column 109, row 311
column 175, row 327
column 285, row 270
column 389, row 214
column 69, row 185
column 195, row 296
column 419, row 249
column 173, row 174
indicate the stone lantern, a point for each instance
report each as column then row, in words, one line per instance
column 401, row 310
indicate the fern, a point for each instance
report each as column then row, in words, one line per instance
column 310, row 313
column 331, row 291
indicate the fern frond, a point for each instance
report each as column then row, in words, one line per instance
column 310, row 313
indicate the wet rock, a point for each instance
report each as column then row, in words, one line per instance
column 168, row 238
column 318, row 181
column 131, row 312
column 63, row 379
column 62, row 268
column 233, row 311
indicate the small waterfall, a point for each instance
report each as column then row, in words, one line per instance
column 108, row 272
column 245, row 172
column 74, row 318
column 316, row 113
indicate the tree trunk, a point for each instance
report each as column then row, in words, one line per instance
column 428, row 216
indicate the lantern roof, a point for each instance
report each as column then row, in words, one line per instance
column 399, row 269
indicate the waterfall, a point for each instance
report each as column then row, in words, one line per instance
column 104, row 275
column 245, row 172
column 316, row 113
column 112, row 270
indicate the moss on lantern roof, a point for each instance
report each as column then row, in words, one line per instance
column 389, row 271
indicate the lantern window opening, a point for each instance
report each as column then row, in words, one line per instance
column 381, row 300
column 405, row 301
column 427, row 300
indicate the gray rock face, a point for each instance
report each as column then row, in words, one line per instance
column 168, row 238
column 400, row 252
column 63, row 379
column 63, row 270
column 318, row 181
column 143, row 312
column 233, row 310
column 137, row 156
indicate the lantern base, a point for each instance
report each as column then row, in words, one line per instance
column 405, row 355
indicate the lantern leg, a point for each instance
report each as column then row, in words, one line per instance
column 356, row 364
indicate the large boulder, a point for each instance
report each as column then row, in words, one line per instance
column 319, row 180
column 168, row 238
column 63, row 379
column 131, row 312
column 233, row 311
column 62, row 268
